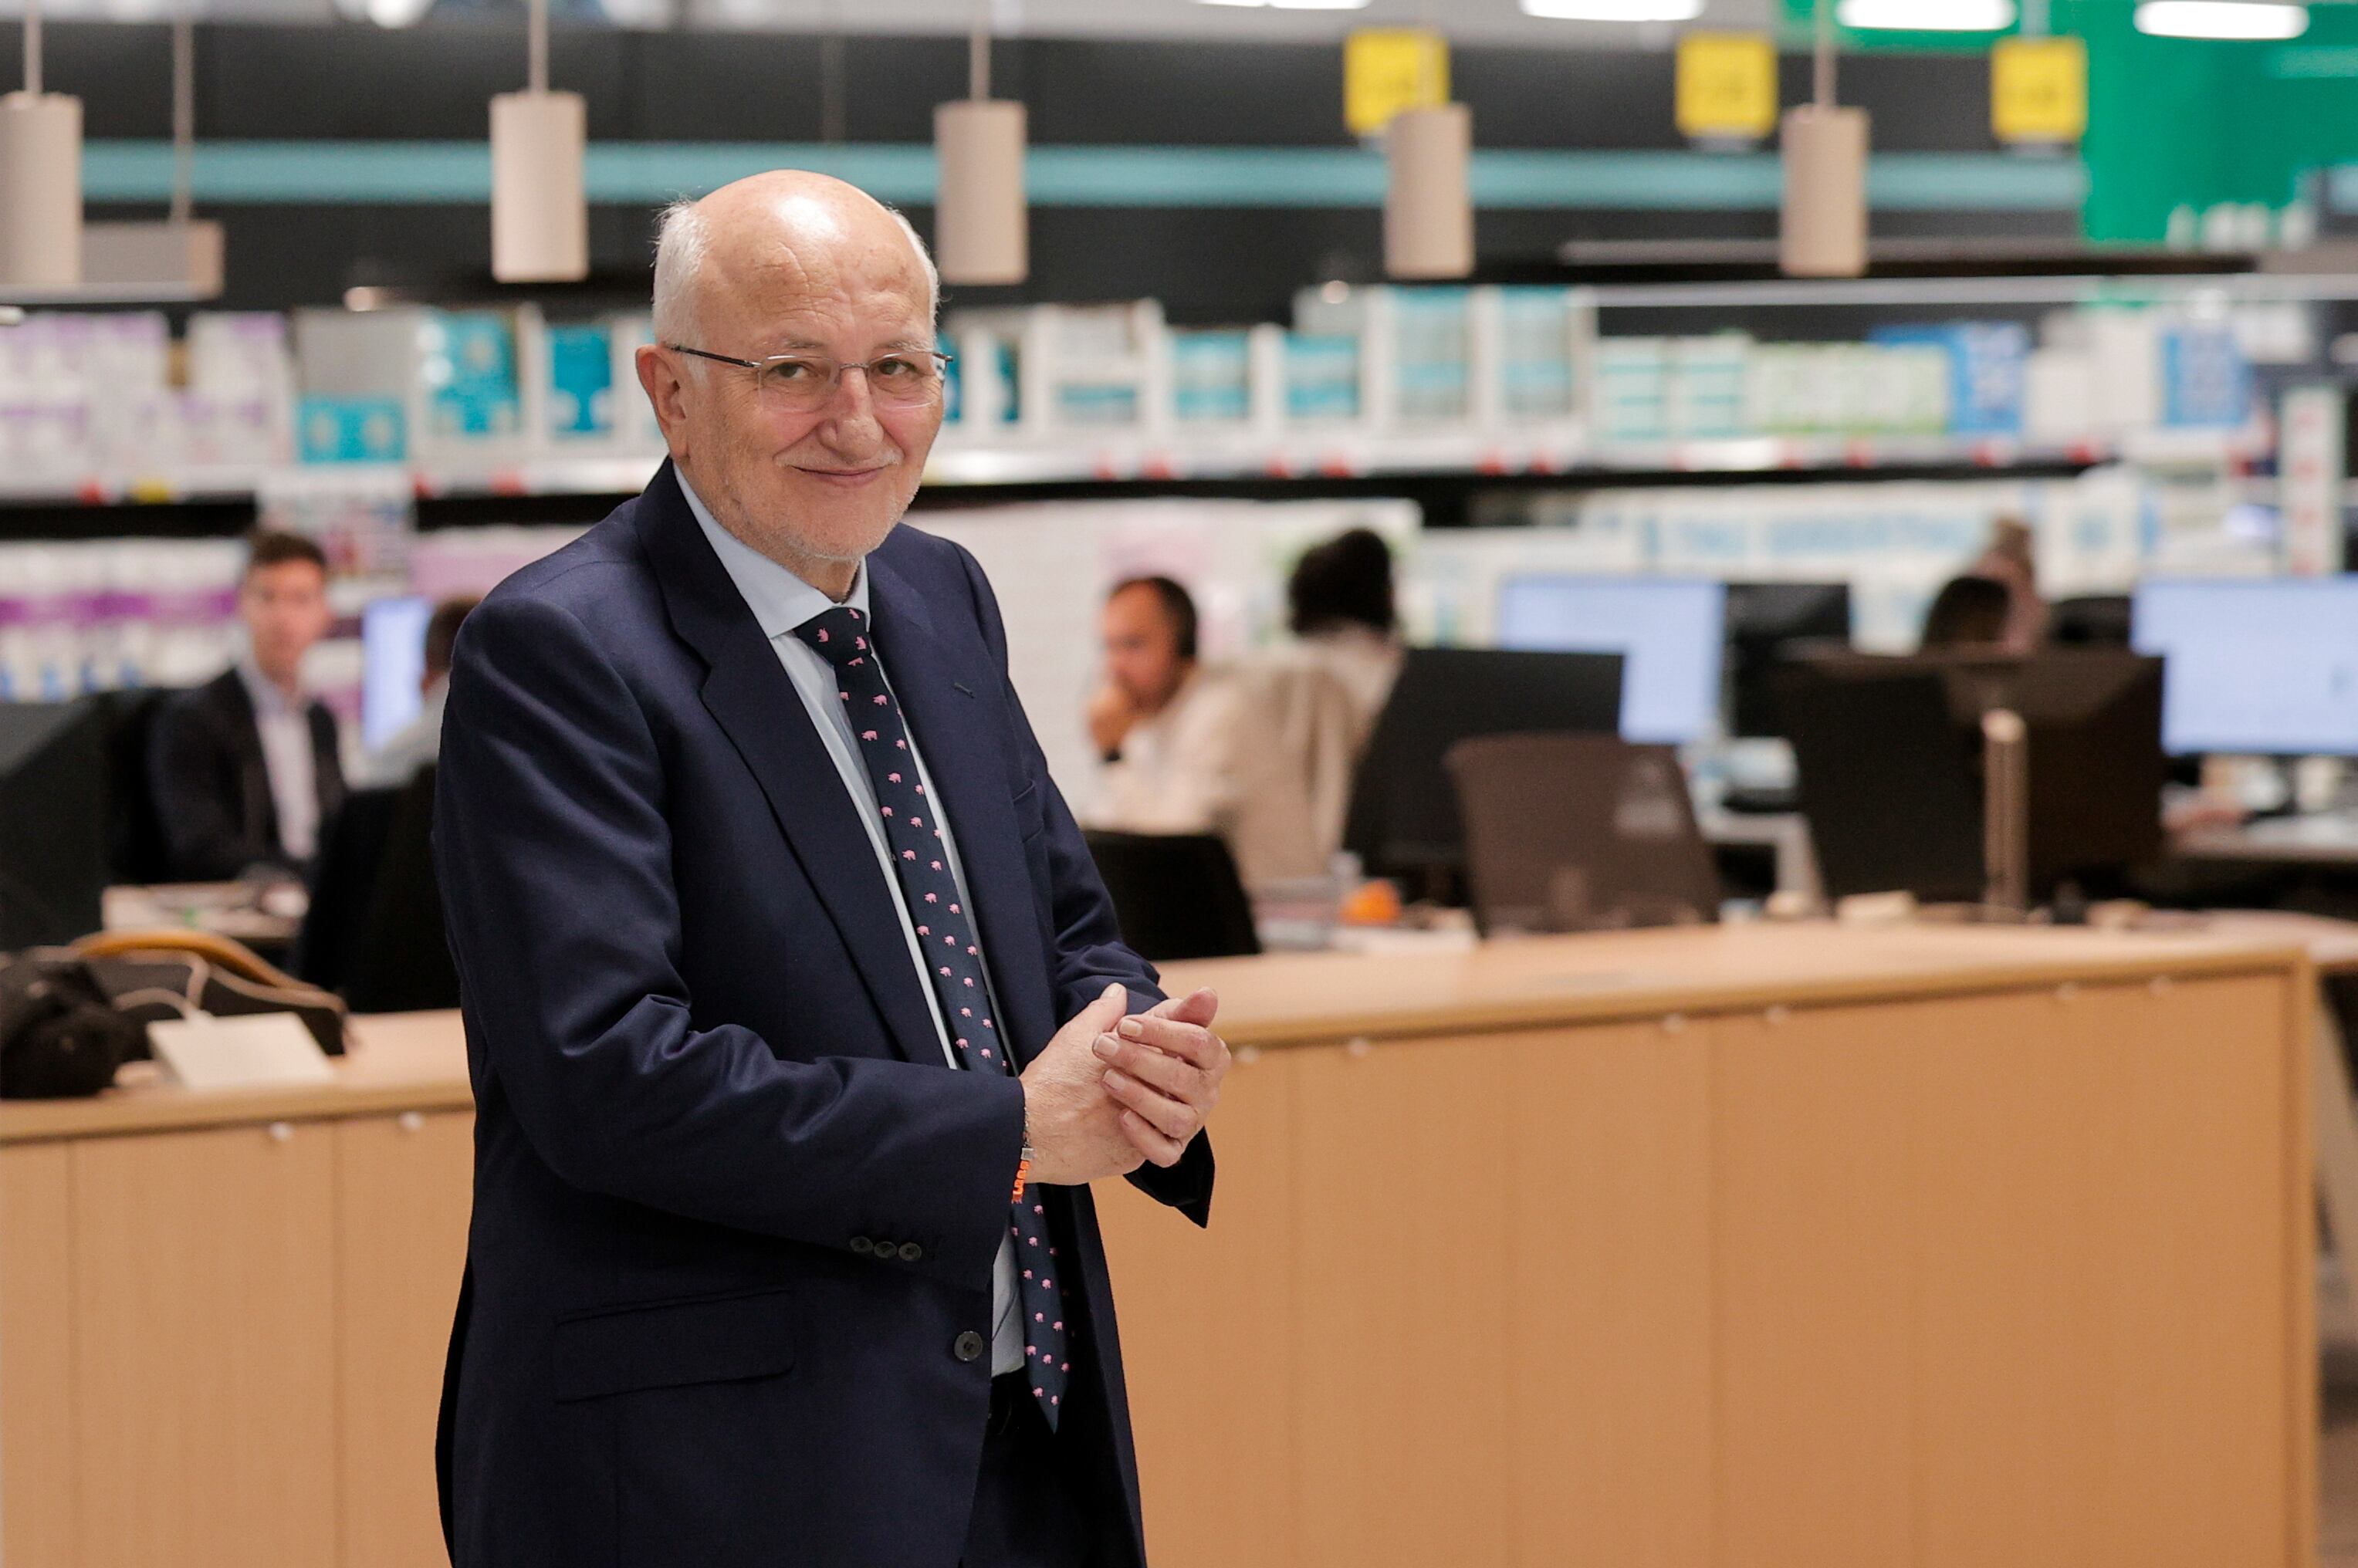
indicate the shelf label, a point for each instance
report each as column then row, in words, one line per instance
column 2038, row 89
column 1727, row 86
column 1387, row 70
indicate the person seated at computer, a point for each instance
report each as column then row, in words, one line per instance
column 1968, row 612
column 1165, row 728
column 1342, row 615
column 244, row 770
column 2010, row 562
column 417, row 744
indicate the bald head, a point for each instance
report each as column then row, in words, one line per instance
column 788, row 226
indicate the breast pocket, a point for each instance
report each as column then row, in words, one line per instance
column 1031, row 811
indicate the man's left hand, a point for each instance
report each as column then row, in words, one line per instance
column 1164, row 1068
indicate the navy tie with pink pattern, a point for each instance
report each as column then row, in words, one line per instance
column 945, row 931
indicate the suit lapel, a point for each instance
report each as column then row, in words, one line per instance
column 749, row 694
column 956, row 736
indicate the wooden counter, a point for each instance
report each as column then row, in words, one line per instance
column 1777, row 1246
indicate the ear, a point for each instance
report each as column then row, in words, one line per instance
column 668, row 392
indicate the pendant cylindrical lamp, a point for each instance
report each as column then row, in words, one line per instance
column 1824, row 229
column 981, row 226
column 40, row 177
column 40, row 190
column 540, row 210
column 1428, row 198
column 540, row 216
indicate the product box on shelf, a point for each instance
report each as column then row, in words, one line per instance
column 581, row 382
column 1986, row 364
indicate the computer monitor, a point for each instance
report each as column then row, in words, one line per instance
column 1889, row 752
column 1402, row 818
column 1767, row 623
column 392, row 666
column 2266, row 666
column 53, row 823
column 1669, row 630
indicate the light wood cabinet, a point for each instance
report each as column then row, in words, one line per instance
column 2013, row 1273
column 403, row 1192
column 203, row 1420
column 223, row 1347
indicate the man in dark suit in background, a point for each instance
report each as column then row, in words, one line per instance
column 797, row 1017
column 244, row 770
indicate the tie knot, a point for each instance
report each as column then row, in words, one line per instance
column 840, row 635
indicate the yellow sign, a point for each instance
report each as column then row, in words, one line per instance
column 2038, row 89
column 1387, row 70
column 1728, row 86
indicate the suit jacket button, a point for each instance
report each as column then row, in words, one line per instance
column 911, row 1252
column 861, row 1245
column 969, row 1346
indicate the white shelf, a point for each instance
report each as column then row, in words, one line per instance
column 1119, row 457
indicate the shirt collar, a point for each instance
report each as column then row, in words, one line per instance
column 779, row 599
column 261, row 690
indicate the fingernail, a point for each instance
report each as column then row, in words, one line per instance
column 1106, row 1045
column 1132, row 1029
column 1116, row 1078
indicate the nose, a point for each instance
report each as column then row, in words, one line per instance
column 852, row 404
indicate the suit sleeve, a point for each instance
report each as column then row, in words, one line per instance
column 1088, row 952
column 203, row 836
column 555, row 857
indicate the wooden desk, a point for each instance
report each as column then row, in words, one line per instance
column 1744, row 1246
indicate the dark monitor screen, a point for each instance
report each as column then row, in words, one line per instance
column 1766, row 623
column 1889, row 752
column 1403, row 812
column 53, row 831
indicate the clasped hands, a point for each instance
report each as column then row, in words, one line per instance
column 1110, row 1092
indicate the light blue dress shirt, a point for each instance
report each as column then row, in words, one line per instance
column 780, row 602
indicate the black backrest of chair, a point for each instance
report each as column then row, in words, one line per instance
column 1176, row 895
column 403, row 963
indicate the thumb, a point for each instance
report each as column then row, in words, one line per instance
column 1107, row 1011
column 1197, row 1007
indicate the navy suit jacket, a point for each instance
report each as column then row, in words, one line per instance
column 703, row 1065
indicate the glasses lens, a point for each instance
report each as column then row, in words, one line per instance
column 906, row 378
column 798, row 382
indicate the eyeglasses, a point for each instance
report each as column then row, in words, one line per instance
column 807, row 382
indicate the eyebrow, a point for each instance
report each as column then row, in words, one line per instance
column 811, row 346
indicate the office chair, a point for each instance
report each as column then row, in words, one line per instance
column 1570, row 832
column 137, row 850
column 343, row 885
column 1177, row 896
column 402, row 963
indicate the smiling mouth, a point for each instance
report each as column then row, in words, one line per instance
column 845, row 476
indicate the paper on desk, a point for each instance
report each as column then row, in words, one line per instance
column 259, row 1050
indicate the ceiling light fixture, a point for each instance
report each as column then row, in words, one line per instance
column 1614, row 10
column 2222, row 19
column 1927, row 15
column 40, row 177
column 981, row 217
column 540, row 209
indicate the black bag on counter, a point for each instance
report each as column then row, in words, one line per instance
column 60, row 1037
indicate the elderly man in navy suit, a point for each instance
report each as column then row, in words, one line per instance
column 798, row 1020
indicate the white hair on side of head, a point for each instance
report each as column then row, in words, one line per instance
column 683, row 238
column 926, row 260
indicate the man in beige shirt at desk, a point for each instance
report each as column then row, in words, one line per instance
column 1166, row 728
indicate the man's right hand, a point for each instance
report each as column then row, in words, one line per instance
column 1111, row 714
column 1076, row 1127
